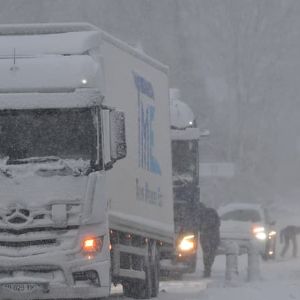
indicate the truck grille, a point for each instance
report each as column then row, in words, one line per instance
column 23, row 244
column 37, row 229
column 25, row 231
column 32, row 241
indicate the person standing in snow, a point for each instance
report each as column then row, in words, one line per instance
column 287, row 235
column 209, row 228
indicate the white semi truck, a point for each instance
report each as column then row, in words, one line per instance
column 76, row 211
column 185, row 161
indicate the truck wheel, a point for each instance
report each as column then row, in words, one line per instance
column 137, row 288
column 155, row 269
column 144, row 287
column 128, row 288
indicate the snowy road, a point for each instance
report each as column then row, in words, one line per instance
column 279, row 280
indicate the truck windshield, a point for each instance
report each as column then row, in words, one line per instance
column 65, row 133
column 185, row 161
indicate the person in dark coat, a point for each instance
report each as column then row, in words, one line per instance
column 209, row 228
column 287, row 235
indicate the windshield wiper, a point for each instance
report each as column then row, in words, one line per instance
column 61, row 166
column 42, row 159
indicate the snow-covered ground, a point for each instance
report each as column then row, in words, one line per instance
column 279, row 280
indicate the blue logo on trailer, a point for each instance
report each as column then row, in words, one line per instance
column 146, row 118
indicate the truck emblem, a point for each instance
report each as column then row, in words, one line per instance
column 17, row 215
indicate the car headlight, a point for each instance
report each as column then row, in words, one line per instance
column 259, row 233
column 272, row 233
column 261, row 236
column 187, row 243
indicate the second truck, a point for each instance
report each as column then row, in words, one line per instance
column 185, row 167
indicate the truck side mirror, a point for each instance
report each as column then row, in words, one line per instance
column 118, row 148
column 113, row 136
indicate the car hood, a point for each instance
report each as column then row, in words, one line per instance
column 236, row 230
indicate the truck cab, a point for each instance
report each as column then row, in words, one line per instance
column 185, row 167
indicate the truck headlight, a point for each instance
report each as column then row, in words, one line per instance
column 187, row 243
column 92, row 244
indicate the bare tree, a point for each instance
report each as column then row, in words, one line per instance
column 246, row 41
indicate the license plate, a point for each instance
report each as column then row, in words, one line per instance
column 22, row 287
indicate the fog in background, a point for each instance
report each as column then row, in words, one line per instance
column 237, row 63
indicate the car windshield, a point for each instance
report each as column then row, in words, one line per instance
column 243, row 215
column 63, row 133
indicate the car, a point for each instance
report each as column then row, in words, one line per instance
column 244, row 221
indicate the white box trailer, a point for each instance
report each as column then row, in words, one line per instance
column 72, row 218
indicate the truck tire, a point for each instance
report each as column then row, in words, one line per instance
column 137, row 288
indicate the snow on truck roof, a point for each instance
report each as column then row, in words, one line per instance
column 44, row 28
column 77, row 99
column 182, row 119
column 43, row 39
column 69, row 43
column 181, row 114
column 62, row 38
column 56, row 57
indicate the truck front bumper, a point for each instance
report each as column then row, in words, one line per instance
column 183, row 265
column 54, row 277
column 59, row 293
